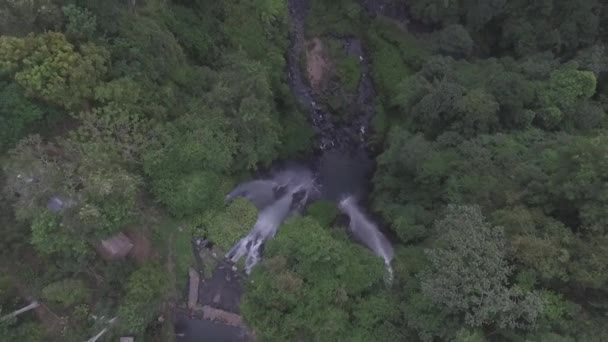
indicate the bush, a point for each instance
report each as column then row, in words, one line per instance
column 67, row 292
column 454, row 40
column 192, row 193
column 325, row 212
column 227, row 226
column 145, row 290
column 81, row 23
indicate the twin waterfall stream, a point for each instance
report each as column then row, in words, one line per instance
column 340, row 172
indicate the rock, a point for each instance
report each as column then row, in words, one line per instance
column 222, row 316
column 193, row 288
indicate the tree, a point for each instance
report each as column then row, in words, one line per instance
column 146, row 50
column 80, row 22
column 225, row 227
column 50, row 237
column 95, row 196
column 454, row 40
column 566, row 87
column 66, row 292
column 145, row 290
column 588, row 115
column 513, row 93
column 434, row 11
column 317, row 284
column 577, row 178
column 325, row 212
column 243, row 95
column 17, row 114
column 22, row 17
column 469, row 273
column 480, row 12
column 437, row 109
column 188, row 162
column 48, row 67
column 480, row 113
column 549, row 117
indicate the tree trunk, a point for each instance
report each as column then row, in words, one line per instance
column 16, row 313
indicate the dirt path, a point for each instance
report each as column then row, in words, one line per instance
column 169, row 305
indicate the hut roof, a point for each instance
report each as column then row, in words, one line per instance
column 117, row 246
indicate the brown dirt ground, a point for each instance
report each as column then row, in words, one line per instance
column 142, row 247
column 317, row 63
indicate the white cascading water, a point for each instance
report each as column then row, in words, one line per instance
column 367, row 232
column 287, row 192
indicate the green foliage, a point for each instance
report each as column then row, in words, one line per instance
column 227, row 226
column 48, row 67
column 437, row 108
column 508, row 114
column 343, row 80
column 186, row 165
column 480, row 113
column 17, row 114
column 454, row 40
column 568, row 86
column 98, row 197
column 325, row 212
column 434, row 11
column 30, row 331
column 395, row 55
column 513, row 93
column 259, row 30
column 297, row 135
column 67, row 292
column 80, row 22
column 23, row 17
column 146, row 49
column 49, row 236
column 466, row 335
column 469, row 273
column 183, row 253
column 199, row 32
column 188, row 194
column 144, row 293
column 333, row 18
column 314, row 283
column 243, row 96
column 549, row 117
column 480, row 13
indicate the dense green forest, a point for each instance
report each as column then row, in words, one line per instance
column 490, row 136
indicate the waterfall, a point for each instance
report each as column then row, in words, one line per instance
column 288, row 191
column 367, row 232
column 343, row 167
column 265, row 227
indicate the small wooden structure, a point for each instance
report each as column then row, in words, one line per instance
column 115, row 247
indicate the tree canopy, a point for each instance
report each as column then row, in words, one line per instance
column 134, row 119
